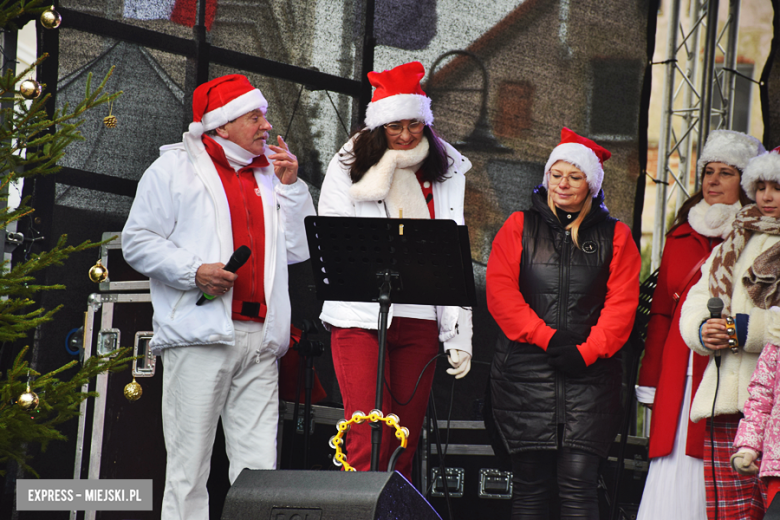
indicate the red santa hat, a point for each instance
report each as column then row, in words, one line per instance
column 765, row 167
column 582, row 153
column 221, row 100
column 398, row 96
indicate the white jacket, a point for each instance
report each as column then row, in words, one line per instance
column 735, row 369
column 180, row 219
column 455, row 323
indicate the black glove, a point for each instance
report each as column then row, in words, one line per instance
column 562, row 338
column 566, row 359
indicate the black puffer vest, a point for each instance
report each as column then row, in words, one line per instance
column 566, row 287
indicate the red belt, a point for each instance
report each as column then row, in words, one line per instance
column 250, row 309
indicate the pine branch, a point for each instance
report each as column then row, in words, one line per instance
column 32, row 142
column 59, row 401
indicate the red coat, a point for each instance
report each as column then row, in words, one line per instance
column 665, row 364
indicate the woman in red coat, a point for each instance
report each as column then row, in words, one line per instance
column 670, row 373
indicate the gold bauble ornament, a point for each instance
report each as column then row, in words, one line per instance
column 98, row 272
column 133, row 391
column 30, row 89
column 50, row 18
column 28, row 400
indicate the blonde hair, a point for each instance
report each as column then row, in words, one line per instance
column 574, row 227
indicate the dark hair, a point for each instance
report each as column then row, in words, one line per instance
column 682, row 215
column 369, row 146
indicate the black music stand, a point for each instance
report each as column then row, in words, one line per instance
column 423, row 262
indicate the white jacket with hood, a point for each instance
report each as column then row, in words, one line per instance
column 455, row 323
column 180, row 219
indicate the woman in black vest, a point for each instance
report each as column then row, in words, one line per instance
column 563, row 285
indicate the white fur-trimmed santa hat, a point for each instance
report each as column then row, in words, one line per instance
column 398, row 96
column 221, row 100
column 729, row 147
column 765, row 167
column 583, row 153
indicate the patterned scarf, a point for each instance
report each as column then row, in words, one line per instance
column 761, row 280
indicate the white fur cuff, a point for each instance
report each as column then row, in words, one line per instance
column 757, row 329
column 398, row 107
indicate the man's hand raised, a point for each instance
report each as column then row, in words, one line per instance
column 285, row 163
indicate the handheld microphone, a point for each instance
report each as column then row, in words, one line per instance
column 715, row 306
column 237, row 259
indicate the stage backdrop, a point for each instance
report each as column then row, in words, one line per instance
column 504, row 75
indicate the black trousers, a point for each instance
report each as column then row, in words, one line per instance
column 537, row 474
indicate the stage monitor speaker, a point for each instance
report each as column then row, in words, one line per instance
column 324, row 495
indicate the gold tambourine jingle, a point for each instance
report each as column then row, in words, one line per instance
column 110, row 121
column 98, row 273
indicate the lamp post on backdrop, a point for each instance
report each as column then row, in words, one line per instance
column 481, row 138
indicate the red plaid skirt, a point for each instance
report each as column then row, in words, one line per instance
column 739, row 497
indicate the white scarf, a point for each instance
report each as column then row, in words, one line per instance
column 394, row 180
column 713, row 221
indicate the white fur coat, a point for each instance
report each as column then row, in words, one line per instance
column 736, row 369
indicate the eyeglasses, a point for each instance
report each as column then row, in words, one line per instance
column 575, row 179
column 414, row 127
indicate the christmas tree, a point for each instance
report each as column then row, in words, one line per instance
column 32, row 141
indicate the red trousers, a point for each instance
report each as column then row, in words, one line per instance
column 740, row 497
column 411, row 343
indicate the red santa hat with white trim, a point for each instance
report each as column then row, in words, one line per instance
column 221, row 100
column 398, row 96
column 764, row 167
column 583, row 153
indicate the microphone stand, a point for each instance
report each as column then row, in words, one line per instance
column 385, row 277
column 307, row 350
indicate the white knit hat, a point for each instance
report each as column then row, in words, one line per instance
column 583, row 153
column 729, row 147
column 765, row 167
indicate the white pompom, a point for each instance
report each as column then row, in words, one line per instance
column 196, row 129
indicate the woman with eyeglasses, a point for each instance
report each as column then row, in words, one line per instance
column 563, row 286
column 395, row 166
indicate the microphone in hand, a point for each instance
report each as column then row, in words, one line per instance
column 237, row 259
column 715, row 306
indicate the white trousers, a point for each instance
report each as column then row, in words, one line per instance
column 201, row 384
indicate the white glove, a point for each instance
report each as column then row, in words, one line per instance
column 460, row 361
column 743, row 461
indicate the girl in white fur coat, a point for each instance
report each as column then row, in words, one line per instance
column 743, row 272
